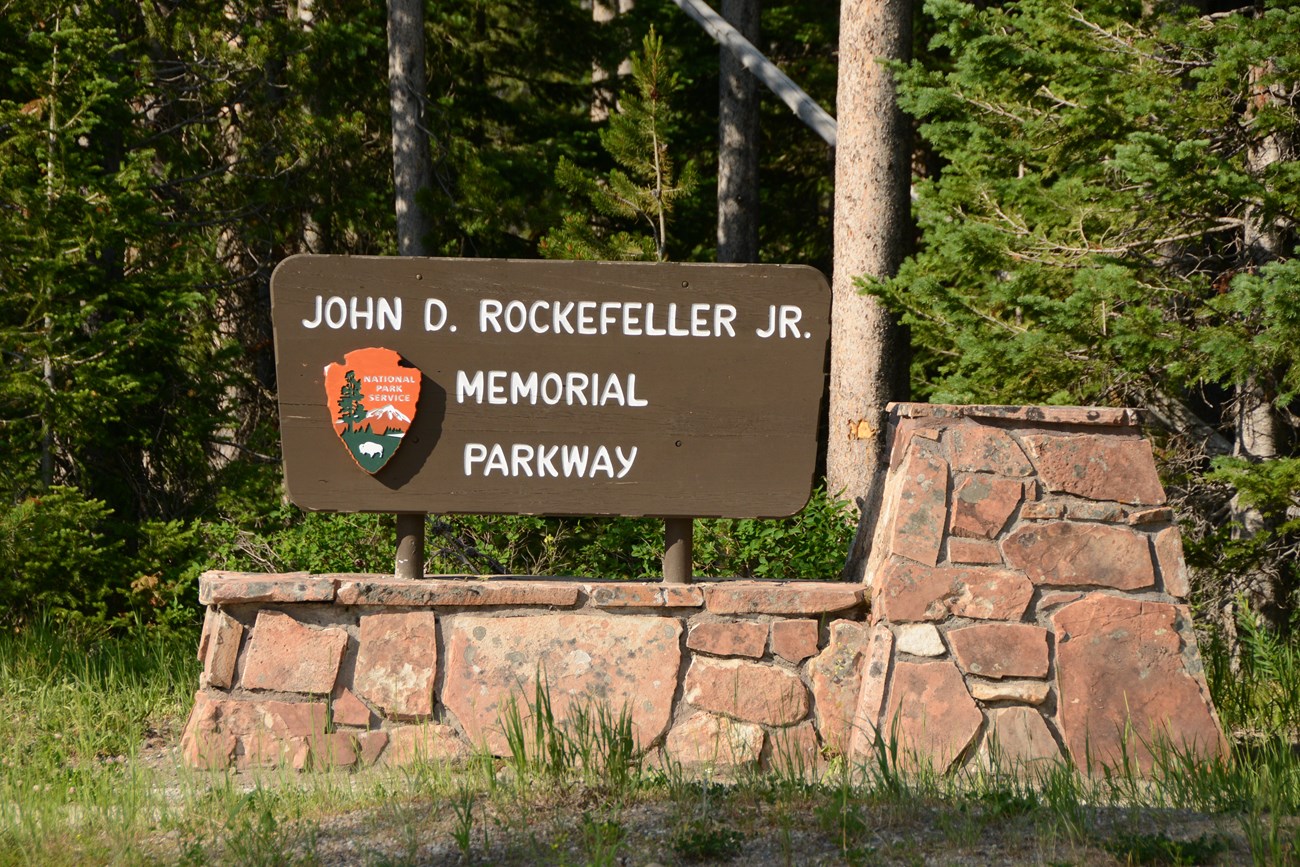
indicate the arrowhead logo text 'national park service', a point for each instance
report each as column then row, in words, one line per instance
column 372, row 399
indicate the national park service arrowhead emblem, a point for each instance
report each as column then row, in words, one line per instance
column 372, row 398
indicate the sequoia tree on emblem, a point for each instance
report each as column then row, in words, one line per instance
column 372, row 397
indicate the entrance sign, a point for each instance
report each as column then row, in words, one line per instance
column 539, row 387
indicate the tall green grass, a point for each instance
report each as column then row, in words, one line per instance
column 78, row 786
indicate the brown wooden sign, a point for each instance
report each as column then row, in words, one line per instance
column 532, row 387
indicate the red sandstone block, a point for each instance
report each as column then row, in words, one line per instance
column 243, row 732
column 397, row 662
column 1067, row 553
column 1042, row 510
column 908, row 591
column 222, row 649
column 1117, row 468
column 974, row 552
column 876, row 671
column 982, row 505
column 1158, row 515
column 1173, row 568
column 1078, row 415
column 934, row 716
column 794, row 640
column 640, row 595
column 289, row 656
column 835, row 675
column 982, row 448
column 424, row 743
column 920, row 503
column 998, row 650
column 348, row 710
column 224, row 588
column 707, row 740
column 622, row 660
column 728, row 638
column 457, row 592
column 748, row 691
column 790, row 597
column 1086, row 511
column 1123, row 673
column 1017, row 738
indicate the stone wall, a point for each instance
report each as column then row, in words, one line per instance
column 310, row 670
column 1026, row 589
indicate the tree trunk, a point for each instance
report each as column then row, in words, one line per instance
column 872, row 235
column 412, row 173
column 412, row 164
column 738, row 132
column 604, row 100
column 1256, row 425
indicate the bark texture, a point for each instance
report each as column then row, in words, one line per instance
column 872, row 236
column 412, row 167
column 738, row 133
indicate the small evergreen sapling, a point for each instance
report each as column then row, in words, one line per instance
column 625, row 216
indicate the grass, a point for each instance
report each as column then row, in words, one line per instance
column 89, row 775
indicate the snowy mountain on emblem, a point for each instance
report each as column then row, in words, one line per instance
column 390, row 413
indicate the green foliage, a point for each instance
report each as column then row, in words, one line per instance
column 1110, row 218
column 640, row 194
column 1138, row 848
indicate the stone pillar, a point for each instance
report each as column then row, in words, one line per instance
column 1028, row 580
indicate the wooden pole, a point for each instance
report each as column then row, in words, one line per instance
column 679, row 539
column 410, row 547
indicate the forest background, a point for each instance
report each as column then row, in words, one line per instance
column 1105, row 196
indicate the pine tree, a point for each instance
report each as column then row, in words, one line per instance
column 1115, row 222
column 625, row 215
column 352, row 412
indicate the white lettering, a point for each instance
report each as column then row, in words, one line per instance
column 356, row 313
column 552, row 388
column 489, row 313
column 674, row 330
column 574, row 460
column 586, row 317
column 518, row 460
column 545, row 466
column 520, row 456
column 632, row 319
column 469, row 387
column 431, row 304
column 632, row 399
column 497, row 387
column 392, row 313
column 496, row 461
column 600, row 463
column 523, row 389
column 561, row 319
column 475, row 453
column 315, row 323
column 790, row 316
column 723, row 316
column 650, row 330
column 575, row 385
column 539, row 327
column 625, row 463
column 516, row 317
column 700, row 320
column 336, row 312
